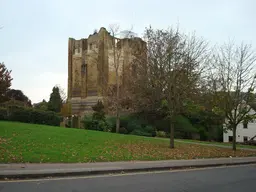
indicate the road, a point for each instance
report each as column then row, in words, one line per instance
column 239, row 178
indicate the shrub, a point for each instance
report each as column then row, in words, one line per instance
column 30, row 115
column 150, row 129
column 98, row 120
column 97, row 125
column 202, row 132
column 133, row 125
column 129, row 122
column 142, row 130
column 87, row 120
column 3, row 113
column 124, row 121
column 183, row 128
column 103, row 126
column 140, row 133
column 162, row 125
column 111, row 121
column 122, row 130
column 161, row 134
column 98, row 113
column 18, row 113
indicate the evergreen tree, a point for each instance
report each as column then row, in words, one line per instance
column 99, row 113
column 5, row 81
column 55, row 101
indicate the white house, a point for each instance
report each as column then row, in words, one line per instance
column 244, row 131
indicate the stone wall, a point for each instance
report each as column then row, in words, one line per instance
column 91, row 68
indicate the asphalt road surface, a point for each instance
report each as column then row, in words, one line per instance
column 240, row 178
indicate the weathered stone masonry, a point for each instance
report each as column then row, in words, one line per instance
column 91, row 68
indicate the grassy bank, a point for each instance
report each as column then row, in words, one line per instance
column 20, row 142
column 217, row 143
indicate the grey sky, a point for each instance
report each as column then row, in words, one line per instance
column 34, row 37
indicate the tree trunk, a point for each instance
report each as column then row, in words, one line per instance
column 117, row 122
column 234, row 138
column 117, row 103
column 171, row 133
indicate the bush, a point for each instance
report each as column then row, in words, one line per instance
column 87, row 120
column 162, row 125
column 122, row 130
column 103, row 126
column 99, row 113
column 111, row 121
column 140, row 133
column 202, row 132
column 97, row 125
column 3, row 113
column 183, row 128
column 125, row 120
column 142, row 130
column 133, row 125
column 129, row 122
column 30, row 115
column 161, row 134
column 97, row 121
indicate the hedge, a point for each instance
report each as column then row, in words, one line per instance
column 29, row 115
column 3, row 113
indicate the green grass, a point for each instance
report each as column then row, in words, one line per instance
column 218, row 143
column 20, row 142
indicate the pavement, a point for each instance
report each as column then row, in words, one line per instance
column 215, row 145
column 22, row 171
column 221, row 179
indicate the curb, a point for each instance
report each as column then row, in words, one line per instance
column 104, row 171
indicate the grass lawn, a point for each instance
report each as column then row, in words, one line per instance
column 218, row 143
column 20, row 142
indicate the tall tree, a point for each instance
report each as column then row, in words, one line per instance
column 43, row 105
column 5, row 81
column 112, row 93
column 55, row 101
column 233, row 77
column 117, row 55
column 18, row 95
column 63, row 94
column 170, row 74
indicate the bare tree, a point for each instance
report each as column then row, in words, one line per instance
column 117, row 55
column 233, row 75
column 111, row 93
column 171, row 71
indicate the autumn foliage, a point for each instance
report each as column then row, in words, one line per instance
column 5, row 81
column 39, row 143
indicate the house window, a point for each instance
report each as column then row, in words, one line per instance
column 245, row 125
column 90, row 46
column 230, row 138
column 245, row 138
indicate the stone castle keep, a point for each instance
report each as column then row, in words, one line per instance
column 91, row 67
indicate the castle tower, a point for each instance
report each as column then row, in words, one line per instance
column 91, row 68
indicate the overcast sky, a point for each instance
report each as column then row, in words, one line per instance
column 34, row 37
